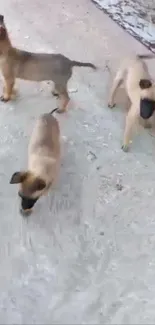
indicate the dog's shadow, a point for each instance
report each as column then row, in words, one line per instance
column 61, row 206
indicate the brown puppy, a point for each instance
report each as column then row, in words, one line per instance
column 43, row 162
column 140, row 90
column 16, row 63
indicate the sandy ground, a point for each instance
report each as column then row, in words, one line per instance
column 86, row 255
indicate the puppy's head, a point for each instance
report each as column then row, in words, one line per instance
column 31, row 188
column 3, row 31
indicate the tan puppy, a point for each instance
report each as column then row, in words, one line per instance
column 16, row 63
column 140, row 90
column 43, row 162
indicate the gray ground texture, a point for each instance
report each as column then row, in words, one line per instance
column 137, row 17
column 87, row 254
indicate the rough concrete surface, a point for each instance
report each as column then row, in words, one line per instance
column 135, row 17
column 87, row 254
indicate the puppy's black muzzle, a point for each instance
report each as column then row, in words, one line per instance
column 147, row 108
column 27, row 203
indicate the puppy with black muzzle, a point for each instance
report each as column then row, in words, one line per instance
column 140, row 90
column 43, row 162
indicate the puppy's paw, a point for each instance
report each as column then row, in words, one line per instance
column 60, row 110
column 125, row 147
column 4, row 99
column 111, row 105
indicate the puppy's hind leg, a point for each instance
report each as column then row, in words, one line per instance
column 118, row 80
column 131, row 119
column 63, row 98
column 55, row 91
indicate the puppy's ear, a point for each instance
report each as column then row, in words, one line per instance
column 38, row 184
column 1, row 19
column 145, row 83
column 18, row 177
column 2, row 33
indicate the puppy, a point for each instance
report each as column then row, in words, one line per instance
column 16, row 63
column 43, row 163
column 140, row 90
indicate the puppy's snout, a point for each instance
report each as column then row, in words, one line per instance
column 27, row 203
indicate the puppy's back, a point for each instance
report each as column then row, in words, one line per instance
column 45, row 136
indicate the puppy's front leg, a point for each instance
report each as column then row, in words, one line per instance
column 116, row 84
column 7, row 89
column 55, row 91
column 131, row 119
column 146, row 124
column 63, row 98
column 9, row 81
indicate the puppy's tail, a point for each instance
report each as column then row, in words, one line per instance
column 83, row 64
column 54, row 110
column 146, row 56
